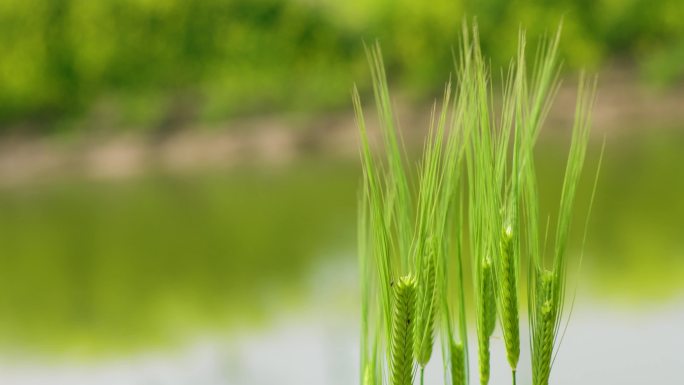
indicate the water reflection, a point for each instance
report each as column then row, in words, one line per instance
column 249, row 277
column 606, row 343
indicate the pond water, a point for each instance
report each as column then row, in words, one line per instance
column 248, row 276
column 606, row 343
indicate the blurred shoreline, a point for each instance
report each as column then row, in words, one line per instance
column 623, row 105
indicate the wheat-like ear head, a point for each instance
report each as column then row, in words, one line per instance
column 547, row 309
column 488, row 297
column 402, row 331
column 458, row 373
column 483, row 353
column 486, row 317
column 425, row 325
column 508, row 293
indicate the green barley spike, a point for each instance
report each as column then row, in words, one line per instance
column 509, row 299
column 547, row 307
column 487, row 318
column 458, row 376
column 483, row 351
column 402, row 331
column 489, row 297
column 426, row 319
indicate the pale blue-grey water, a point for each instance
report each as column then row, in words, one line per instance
column 606, row 343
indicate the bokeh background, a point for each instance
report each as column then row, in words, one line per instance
column 178, row 182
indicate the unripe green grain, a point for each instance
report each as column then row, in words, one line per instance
column 547, row 309
column 402, row 331
column 488, row 297
column 486, row 318
column 483, row 352
column 509, row 299
column 457, row 364
column 425, row 324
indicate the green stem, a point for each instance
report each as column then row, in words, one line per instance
column 422, row 374
column 513, row 372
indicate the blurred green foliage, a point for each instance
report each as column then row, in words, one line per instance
column 60, row 58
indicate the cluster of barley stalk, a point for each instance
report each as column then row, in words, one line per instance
column 472, row 202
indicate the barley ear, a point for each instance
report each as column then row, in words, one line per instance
column 402, row 331
column 486, row 318
column 458, row 374
column 488, row 297
column 425, row 325
column 508, row 296
column 547, row 308
column 483, row 352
